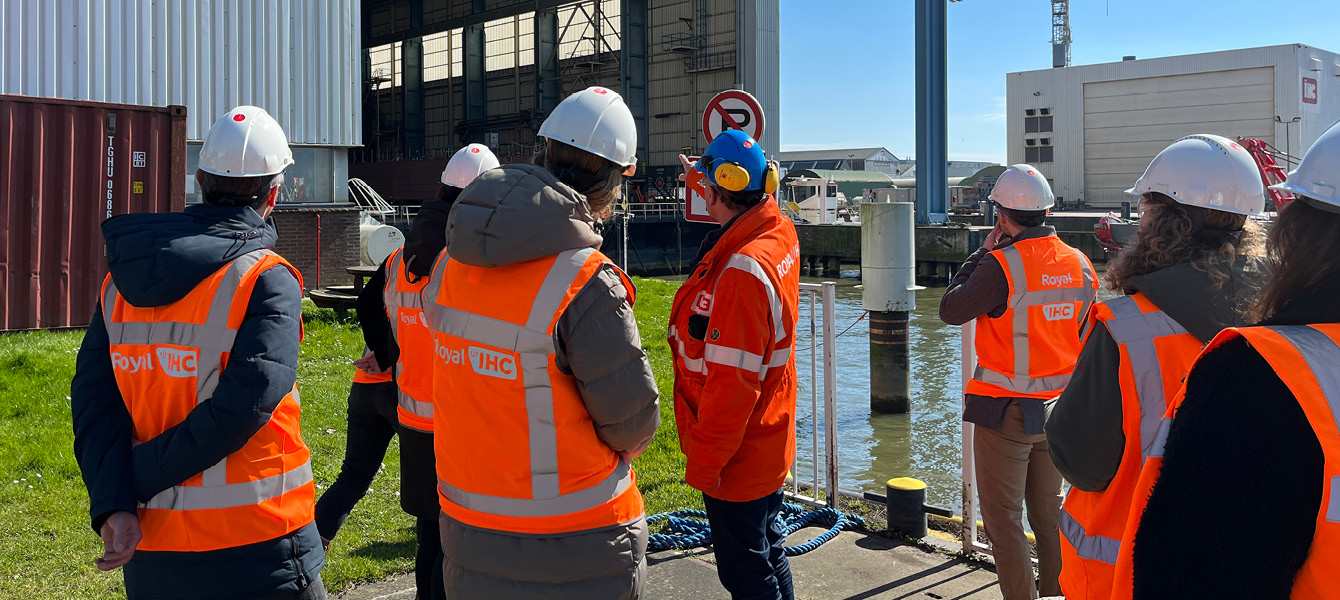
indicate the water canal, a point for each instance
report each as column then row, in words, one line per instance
column 872, row 448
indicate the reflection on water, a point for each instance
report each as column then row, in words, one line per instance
column 926, row 444
column 872, row 449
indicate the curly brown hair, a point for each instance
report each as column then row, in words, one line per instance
column 1301, row 252
column 1173, row 233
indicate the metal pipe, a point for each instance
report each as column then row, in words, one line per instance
column 318, row 250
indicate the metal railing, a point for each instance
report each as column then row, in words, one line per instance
column 826, row 293
column 655, row 210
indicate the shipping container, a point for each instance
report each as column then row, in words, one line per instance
column 65, row 167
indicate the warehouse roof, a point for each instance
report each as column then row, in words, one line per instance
column 836, row 154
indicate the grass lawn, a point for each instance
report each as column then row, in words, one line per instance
column 47, row 548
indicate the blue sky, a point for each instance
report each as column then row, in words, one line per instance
column 848, row 66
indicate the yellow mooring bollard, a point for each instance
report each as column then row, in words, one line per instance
column 905, row 498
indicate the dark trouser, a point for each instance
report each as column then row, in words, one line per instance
column 372, row 423
column 428, row 561
column 747, row 540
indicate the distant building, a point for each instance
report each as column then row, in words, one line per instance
column 855, row 159
column 956, row 168
column 1092, row 129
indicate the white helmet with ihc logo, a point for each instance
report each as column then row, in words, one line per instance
column 1208, row 171
column 1317, row 179
column 595, row 120
column 1022, row 187
column 467, row 164
column 246, row 142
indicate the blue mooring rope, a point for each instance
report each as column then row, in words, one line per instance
column 688, row 528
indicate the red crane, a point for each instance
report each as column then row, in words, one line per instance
column 1271, row 172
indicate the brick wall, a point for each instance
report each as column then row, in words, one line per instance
column 337, row 229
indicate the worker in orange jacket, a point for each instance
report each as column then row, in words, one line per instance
column 732, row 333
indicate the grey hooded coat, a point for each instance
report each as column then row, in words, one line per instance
column 519, row 213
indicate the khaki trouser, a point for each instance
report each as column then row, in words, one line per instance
column 1013, row 468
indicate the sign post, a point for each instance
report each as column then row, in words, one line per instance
column 731, row 109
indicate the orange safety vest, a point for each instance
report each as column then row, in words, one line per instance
column 516, row 449
column 364, row 378
column 414, row 369
column 1305, row 358
column 1031, row 349
column 167, row 360
column 1155, row 354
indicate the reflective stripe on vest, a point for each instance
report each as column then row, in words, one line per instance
column 396, row 300
column 1323, row 358
column 1092, row 547
column 213, row 339
column 1136, row 331
column 1020, row 300
column 534, row 345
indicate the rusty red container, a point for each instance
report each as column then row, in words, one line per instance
column 65, row 167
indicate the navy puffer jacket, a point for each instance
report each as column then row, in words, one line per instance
column 155, row 260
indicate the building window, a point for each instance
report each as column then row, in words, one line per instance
column 1037, row 120
column 1038, row 150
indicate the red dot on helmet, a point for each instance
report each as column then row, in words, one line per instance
column 1030, row 172
column 601, row 91
column 474, row 150
column 748, row 144
column 1235, row 146
column 239, row 117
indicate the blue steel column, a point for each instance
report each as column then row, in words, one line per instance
column 476, row 81
column 547, row 83
column 932, row 113
column 634, row 67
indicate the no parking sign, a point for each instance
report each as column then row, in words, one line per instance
column 733, row 109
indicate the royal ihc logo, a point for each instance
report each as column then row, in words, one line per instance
column 492, row 364
column 173, row 362
column 482, row 361
column 1058, row 312
column 1057, row 280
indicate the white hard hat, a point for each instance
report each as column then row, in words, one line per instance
column 1317, row 178
column 467, row 164
column 595, row 120
column 246, row 142
column 1022, row 187
column 1208, row 171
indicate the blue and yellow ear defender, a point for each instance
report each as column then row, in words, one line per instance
column 735, row 178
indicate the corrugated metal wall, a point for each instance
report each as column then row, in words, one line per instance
column 1062, row 91
column 64, row 167
column 298, row 59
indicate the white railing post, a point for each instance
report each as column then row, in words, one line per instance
column 814, row 402
column 968, row 363
column 830, row 391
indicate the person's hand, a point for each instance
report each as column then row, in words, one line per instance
column 325, row 545
column 688, row 166
column 993, row 238
column 368, row 364
column 120, row 536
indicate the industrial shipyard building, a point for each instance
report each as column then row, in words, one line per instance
column 443, row 73
column 1093, row 129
